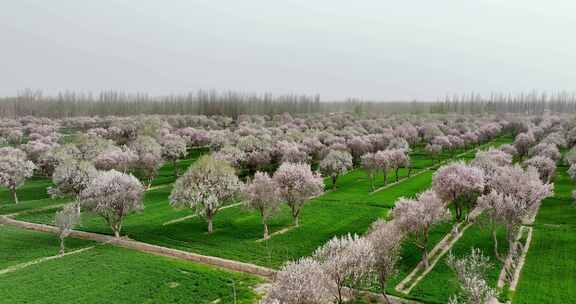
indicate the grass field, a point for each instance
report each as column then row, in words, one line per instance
column 19, row 246
column 350, row 209
column 124, row 276
column 549, row 274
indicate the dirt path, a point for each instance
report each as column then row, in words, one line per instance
column 149, row 248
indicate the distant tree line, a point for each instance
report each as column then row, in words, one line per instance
column 233, row 104
column 530, row 103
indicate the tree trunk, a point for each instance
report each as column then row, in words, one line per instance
column 266, row 235
column 385, row 177
column 383, row 288
column 334, row 177
column 409, row 170
column 495, row 239
column 174, row 164
column 396, row 171
column 62, row 249
column 14, row 195
column 210, row 228
column 425, row 257
column 296, row 216
column 116, row 233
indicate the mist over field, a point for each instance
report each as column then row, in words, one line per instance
column 373, row 50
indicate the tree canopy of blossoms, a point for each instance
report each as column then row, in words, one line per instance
column 458, row 184
column 53, row 157
column 345, row 260
column 336, row 163
column 206, row 186
column 71, row 177
column 263, row 195
column 547, row 150
column 297, row 184
column 119, row 159
column 113, row 195
column 299, row 282
column 14, row 169
column 546, row 167
column 416, row 217
column 173, row 148
column 150, row 159
column 523, row 142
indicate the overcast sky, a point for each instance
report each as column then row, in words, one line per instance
column 384, row 50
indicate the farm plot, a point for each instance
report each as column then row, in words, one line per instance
column 349, row 209
column 107, row 274
column 548, row 273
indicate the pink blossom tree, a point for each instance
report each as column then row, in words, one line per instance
column 386, row 239
column 336, row 163
column 173, row 148
column 546, row 167
column 416, row 217
column 522, row 143
column 113, row 196
column 14, row 170
column 383, row 161
column 150, row 159
column 119, row 159
column 515, row 195
column 297, row 184
column 345, row 260
column 370, row 166
column 263, row 195
column 399, row 159
column 206, row 186
column 458, row 184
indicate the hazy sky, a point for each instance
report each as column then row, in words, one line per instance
column 368, row 49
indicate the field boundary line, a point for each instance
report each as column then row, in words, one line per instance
column 181, row 219
column 222, row 263
column 41, row 260
column 45, row 208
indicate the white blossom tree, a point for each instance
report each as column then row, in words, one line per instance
column 297, row 184
column 113, row 195
column 471, row 274
column 336, row 163
column 262, row 194
column 14, row 170
column 206, row 186
column 65, row 220
column 71, row 177
column 299, row 282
